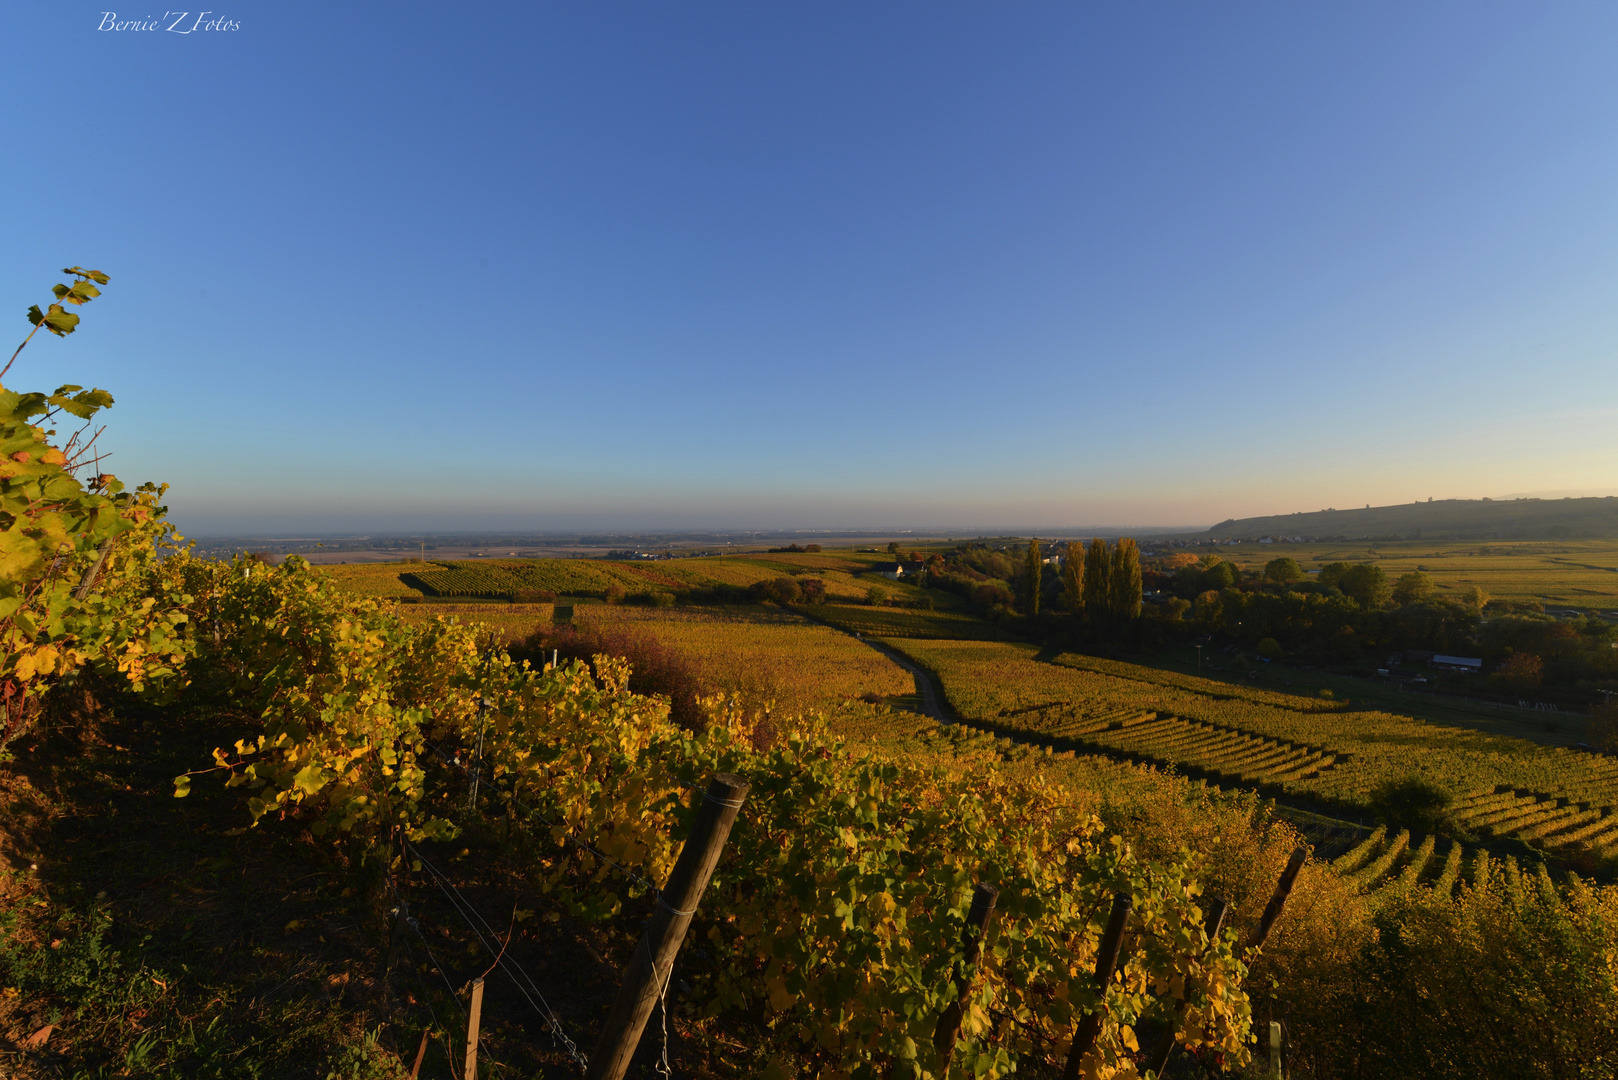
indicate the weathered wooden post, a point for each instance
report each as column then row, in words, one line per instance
column 1275, row 1048
column 1112, row 940
column 949, row 1024
column 1213, row 921
column 473, row 1018
column 1278, row 900
column 647, row 973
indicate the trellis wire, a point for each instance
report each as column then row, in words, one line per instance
column 467, row 912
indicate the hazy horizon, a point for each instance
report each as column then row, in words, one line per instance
column 728, row 266
column 630, row 524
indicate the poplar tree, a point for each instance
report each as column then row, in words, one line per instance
column 1033, row 572
column 1125, row 593
column 1073, row 577
column 1097, row 583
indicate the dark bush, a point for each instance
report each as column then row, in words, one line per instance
column 655, row 668
column 1412, row 802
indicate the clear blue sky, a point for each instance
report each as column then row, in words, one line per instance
column 551, row 266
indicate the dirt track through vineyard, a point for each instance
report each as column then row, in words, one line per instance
column 927, row 689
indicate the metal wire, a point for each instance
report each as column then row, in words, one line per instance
column 426, row 1000
column 453, row 996
column 517, row 975
column 662, row 1066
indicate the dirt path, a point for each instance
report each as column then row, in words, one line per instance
column 927, row 688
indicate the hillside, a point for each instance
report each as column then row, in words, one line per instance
column 1453, row 519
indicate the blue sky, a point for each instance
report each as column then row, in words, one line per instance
column 554, row 266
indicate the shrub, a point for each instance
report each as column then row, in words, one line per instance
column 1412, row 802
column 1603, row 727
column 1479, row 986
column 1270, row 649
column 655, row 667
column 991, row 595
column 614, row 593
column 876, row 595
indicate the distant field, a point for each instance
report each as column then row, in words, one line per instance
column 373, row 579
column 765, row 653
column 510, row 622
column 1318, row 749
column 846, row 576
column 904, row 622
column 1562, row 573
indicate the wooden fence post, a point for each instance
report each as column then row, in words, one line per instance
column 421, row 1054
column 647, row 973
column 1112, row 940
column 1213, row 921
column 473, row 1017
column 1275, row 1048
column 949, row 1024
column 1283, row 889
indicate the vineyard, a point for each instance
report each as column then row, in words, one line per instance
column 267, row 821
column 873, row 621
column 374, row 579
column 845, row 578
column 768, row 655
column 507, row 622
column 1231, row 733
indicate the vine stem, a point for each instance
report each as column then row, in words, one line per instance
column 14, row 355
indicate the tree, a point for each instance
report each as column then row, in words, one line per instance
column 1033, row 575
column 1073, row 577
column 1283, row 571
column 1366, row 584
column 893, row 547
column 1097, row 581
column 1124, row 593
column 1412, row 588
column 876, row 595
column 1221, row 575
column 1521, row 672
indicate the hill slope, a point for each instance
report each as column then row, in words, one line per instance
column 1458, row 519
